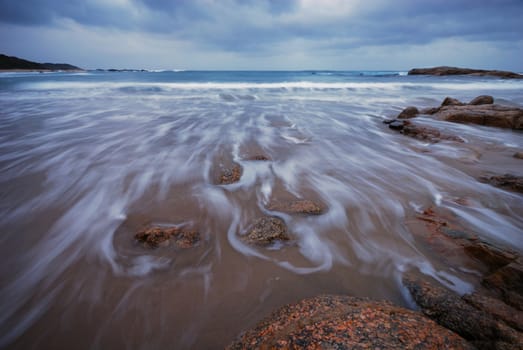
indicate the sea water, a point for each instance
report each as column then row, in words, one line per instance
column 89, row 159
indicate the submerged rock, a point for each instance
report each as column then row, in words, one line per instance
column 156, row 236
column 507, row 181
column 259, row 157
column 302, row 206
column 444, row 70
column 267, row 230
column 428, row 133
column 231, row 175
column 344, row 322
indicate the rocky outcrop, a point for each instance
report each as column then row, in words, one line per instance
column 343, row 322
column 158, row 236
column 444, row 70
column 482, row 328
column 15, row 63
column 480, row 110
column 266, row 230
column 491, row 317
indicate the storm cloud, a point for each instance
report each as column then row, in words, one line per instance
column 265, row 34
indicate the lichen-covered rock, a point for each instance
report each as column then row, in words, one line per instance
column 451, row 311
column 231, row 175
column 343, row 322
column 157, row 236
column 508, row 281
column 497, row 308
column 302, row 206
column 267, row 230
column 409, row 112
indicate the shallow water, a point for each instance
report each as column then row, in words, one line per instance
column 87, row 160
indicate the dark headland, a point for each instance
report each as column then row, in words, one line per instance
column 444, row 70
column 11, row 63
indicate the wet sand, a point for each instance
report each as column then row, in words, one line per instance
column 80, row 188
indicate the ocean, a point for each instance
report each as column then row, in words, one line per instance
column 89, row 159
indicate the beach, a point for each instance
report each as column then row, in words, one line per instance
column 89, row 160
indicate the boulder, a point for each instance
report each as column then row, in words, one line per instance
column 266, row 230
column 409, row 112
column 344, row 322
column 449, row 101
column 482, row 100
column 486, row 114
column 158, row 236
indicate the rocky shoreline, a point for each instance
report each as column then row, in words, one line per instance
column 491, row 317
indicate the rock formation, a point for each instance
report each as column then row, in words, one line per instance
column 444, row 70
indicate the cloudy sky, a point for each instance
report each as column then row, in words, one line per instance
column 265, row 34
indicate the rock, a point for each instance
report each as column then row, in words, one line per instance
column 430, row 111
column 452, row 312
column 449, row 101
column 267, row 230
column 302, row 206
column 507, row 181
column 427, row 133
column 482, row 100
column 397, row 125
column 508, row 281
column 488, row 115
column 343, row 322
column 497, row 308
column 409, row 112
column 259, row 157
column 232, row 175
column 156, row 236
column 494, row 258
column 444, row 70
column 518, row 155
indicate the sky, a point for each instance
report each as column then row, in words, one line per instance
column 265, row 34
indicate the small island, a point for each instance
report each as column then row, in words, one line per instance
column 445, row 70
column 15, row 64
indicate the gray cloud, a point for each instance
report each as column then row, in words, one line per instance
column 263, row 26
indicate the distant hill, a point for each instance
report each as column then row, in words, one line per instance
column 15, row 63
